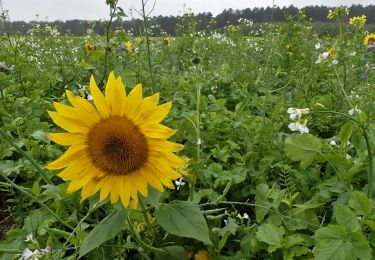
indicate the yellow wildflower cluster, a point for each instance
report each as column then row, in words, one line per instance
column 338, row 11
column 358, row 21
column 129, row 47
column 167, row 41
column 331, row 52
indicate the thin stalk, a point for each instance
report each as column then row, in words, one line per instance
column 145, row 23
column 342, row 87
column 28, row 157
column 370, row 163
column 144, row 212
column 31, row 196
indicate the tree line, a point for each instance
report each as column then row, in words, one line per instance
column 167, row 24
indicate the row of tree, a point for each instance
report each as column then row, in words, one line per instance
column 168, row 23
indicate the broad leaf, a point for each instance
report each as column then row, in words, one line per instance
column 346, row 218
column 336, row 243
column 107, row 229
column 183, row 218
column 345, row 132
column 302, row 148
column 272, row 235
column 360, row 203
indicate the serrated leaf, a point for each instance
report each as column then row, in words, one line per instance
column 360, row 203
column 346, row 218
column 272, row 235
column 302, row 148
column 334, row 242
column 185, row 219
column 107, row 229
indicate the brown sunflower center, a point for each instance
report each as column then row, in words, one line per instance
column 116, row 146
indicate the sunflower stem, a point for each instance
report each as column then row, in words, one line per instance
column 144, row 212
column 28, row 157
column 31, row 196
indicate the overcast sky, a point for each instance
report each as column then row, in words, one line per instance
column 96, row 9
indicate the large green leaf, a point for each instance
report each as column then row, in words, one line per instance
column 346, row 218
column 183, row 218
column 302, row 148
column 108, row 228
column 345, row 132
column 337, row 243
column 360, row 203
column 272, row 235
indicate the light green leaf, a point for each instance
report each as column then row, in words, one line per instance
column 41, row 135
column 152, row 198
column 231, row 227
column 271, row 235
column 345, row 132
column 335, row 242
column 346, row 218
column 183, row 218
column 302, row 148
column 107, row 229
column 360, row 203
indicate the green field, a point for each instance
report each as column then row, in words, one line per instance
column 277, row 126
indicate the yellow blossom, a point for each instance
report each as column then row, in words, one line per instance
column 358, row 21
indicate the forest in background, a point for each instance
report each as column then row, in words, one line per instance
column 167, row 24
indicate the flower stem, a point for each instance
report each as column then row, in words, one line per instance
column 144, row 212
column 145, row 23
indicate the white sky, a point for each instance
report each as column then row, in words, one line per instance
column 96, row 9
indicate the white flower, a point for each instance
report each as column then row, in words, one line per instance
column 47, row 250
column 325, row 55
column 353, row 111
column 89, row 98
column 332, row 142
column 347, row 156
column 29, row 237
column 30, row 255
column 298, row 127
column 199, row 141
column 245, row 216
column 334, row 62
column 317, row 46
column 348, row 143
column 180, row 182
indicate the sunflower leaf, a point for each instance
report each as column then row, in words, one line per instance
column 185, row 219
column 107, row 229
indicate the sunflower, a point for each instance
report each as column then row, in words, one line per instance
column 89, row 47
column 369, row 40
column 117, row 147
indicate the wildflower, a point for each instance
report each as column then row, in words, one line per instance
column 27, row 254
column 317, row 45
column 29, row 237
column 338, row 11
column 201, row 255
column 296, row 113
column 298, row 127
column 179, row 183
column 129, row 47
column 353, row 111
column 369, row 40
column 117, row 148
column 358, row 21
column 331, row 52
column 89, row 47
column 245, row 216
column 347, row 156
column 167, row 41
column 333, row 143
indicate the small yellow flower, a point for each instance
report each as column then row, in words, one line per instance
column 358, row 21
column 89, row 47
column 338, row 11
column 167, row 41
column 331, row 52
column 129, row 47
column 369, row 40
column 201, row 255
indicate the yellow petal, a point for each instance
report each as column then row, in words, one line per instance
column 148, row 175
column 133, row 100
column 67, row 138
column 98, row 98
column 76, row 169
column 160, row 113
column 68, row 124
column 124, row 191
column 148, row 106
column 157, row 131
column 84, row 107
column 74, row 152
column 72, row 113
column 89, row 189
